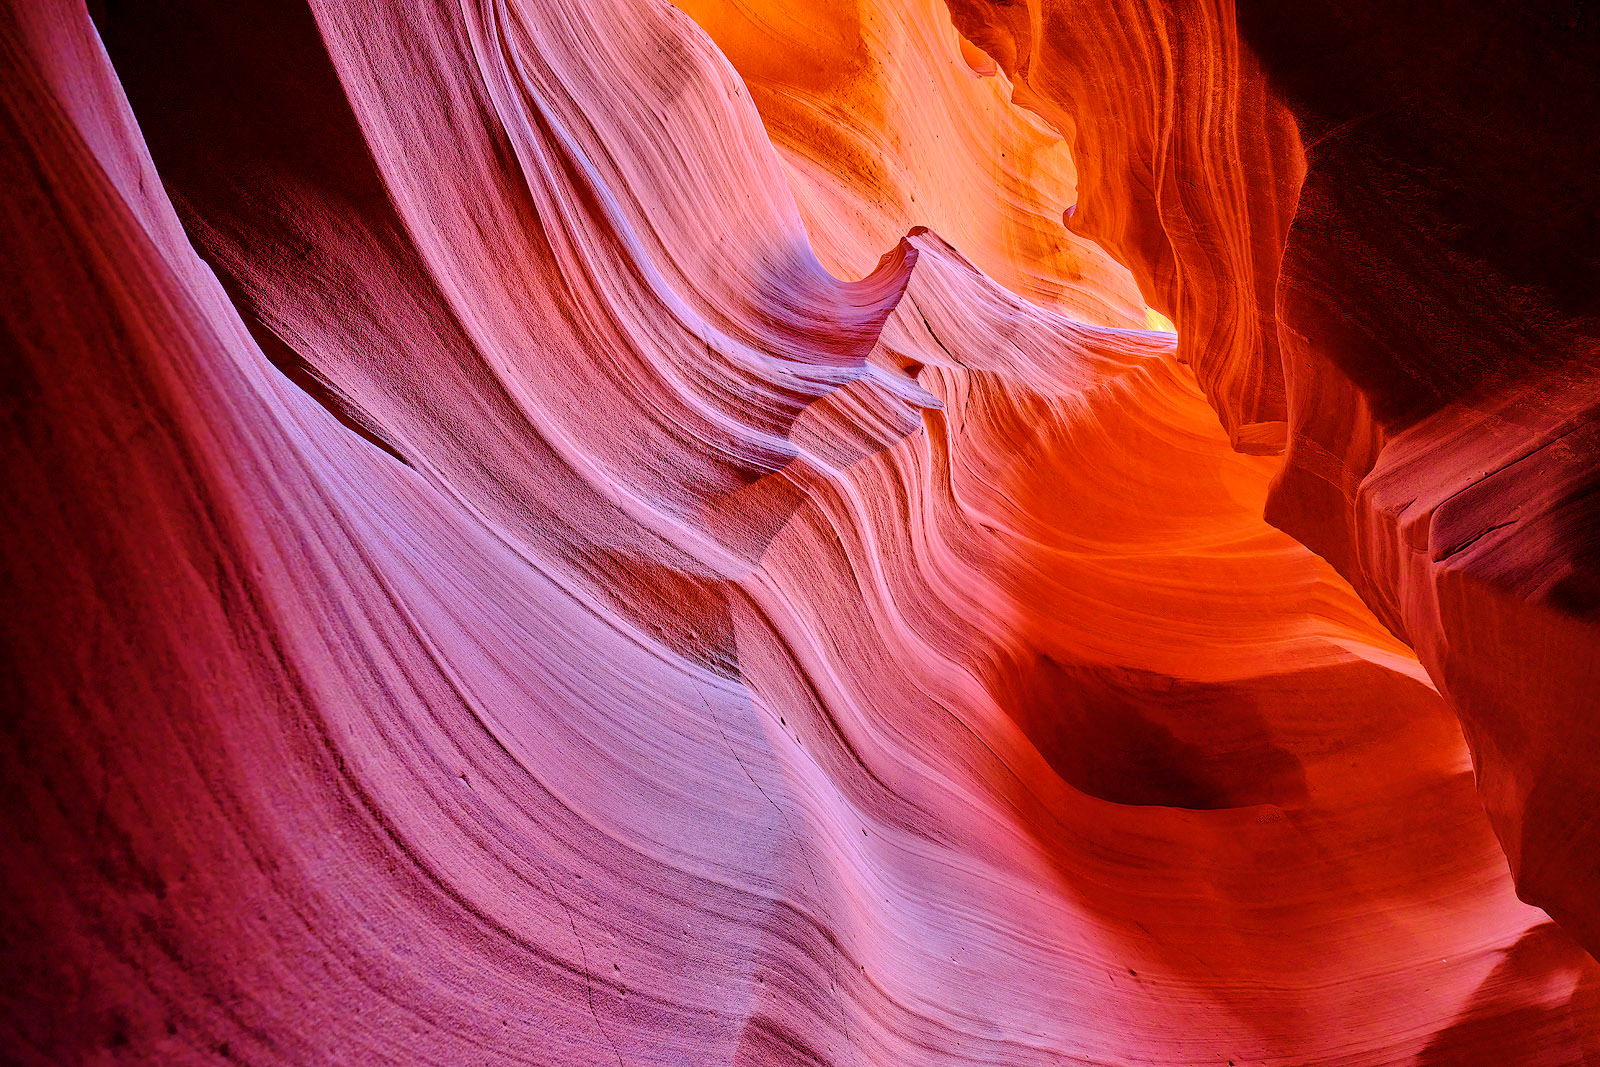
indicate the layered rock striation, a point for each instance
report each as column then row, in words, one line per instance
column 484, row 585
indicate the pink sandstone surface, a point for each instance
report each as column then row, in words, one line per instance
column 849, row 532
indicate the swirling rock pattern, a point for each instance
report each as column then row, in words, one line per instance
column 482, row 589
column 1427, row 280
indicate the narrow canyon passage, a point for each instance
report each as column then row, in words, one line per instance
column 582, row 533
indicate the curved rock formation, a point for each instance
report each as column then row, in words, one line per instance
column 481, row 587
column 1190, row 170
column 1432, row 307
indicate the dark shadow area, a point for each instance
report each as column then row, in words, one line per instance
column 1135, row 737
column 1448, row 237
column 1516, row 1016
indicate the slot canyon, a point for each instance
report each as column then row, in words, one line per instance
column 763, row 532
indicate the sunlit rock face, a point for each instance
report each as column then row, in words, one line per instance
column 588, row 533
column 1432, row 303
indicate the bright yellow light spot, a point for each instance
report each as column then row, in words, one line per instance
column 1154, row 320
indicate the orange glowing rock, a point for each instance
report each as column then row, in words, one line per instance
column 1425, row 297
column 583, row 533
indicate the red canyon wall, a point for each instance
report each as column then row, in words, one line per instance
column 1435, row 309
column 479, row 587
